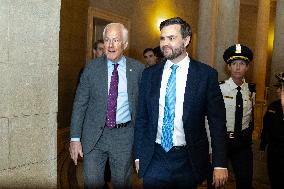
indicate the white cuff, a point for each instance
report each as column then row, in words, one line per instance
column 75, row 140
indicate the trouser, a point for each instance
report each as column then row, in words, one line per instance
column 115, row 144
column 275, row 166
column 107, row 174
column 241, row 158
column 169, row 170
column 210, row 179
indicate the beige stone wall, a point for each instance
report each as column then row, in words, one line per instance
column 72, row 45
column 29, row 37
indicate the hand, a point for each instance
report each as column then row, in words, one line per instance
column 220, row 177
column 137, row 165
column 75, row 149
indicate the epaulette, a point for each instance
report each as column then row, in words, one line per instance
column 221, row 82
column 252, row 87
column 272, row 111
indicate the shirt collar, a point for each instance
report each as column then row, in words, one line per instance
column 183, row 63
column 233, row 85
column 121, row 62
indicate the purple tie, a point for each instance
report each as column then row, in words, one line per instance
column 112, row 99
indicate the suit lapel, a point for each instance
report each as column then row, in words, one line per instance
column 155, row 90
column 129, row 77
column 102, row 72
column 190, row 91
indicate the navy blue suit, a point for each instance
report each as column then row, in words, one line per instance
column 202, row 97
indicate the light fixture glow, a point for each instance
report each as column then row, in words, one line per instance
column 159, row 20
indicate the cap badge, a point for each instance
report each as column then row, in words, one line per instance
column 238, row 49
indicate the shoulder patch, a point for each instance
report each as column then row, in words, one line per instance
column 221, row 82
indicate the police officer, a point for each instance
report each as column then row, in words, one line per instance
column 239, row 98
column 272, row 136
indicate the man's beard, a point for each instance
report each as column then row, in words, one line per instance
column 175, row 52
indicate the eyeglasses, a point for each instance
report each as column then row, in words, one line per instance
column 114, row 41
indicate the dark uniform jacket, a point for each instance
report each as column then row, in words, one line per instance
column 273, row 126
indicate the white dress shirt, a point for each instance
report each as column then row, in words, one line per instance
column 181, row 78
column 122, row 112
column 229, row 91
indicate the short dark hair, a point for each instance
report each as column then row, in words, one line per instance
column 95, row 45
column 158, row 53
column 185, row 27
column 147, row 50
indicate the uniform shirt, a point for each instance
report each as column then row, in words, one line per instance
column 122, row 112
column 181, row 77
column 229, row 91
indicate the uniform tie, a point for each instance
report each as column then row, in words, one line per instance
column 112, row 99
column 239, row 111
column 169, row 111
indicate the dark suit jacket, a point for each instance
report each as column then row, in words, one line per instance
column 90, row 103
column 202, row 97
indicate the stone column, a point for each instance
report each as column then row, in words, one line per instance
column 277, row 64
column 226, row 32
column 206, row 34
column 29, row 48
column 260, row 60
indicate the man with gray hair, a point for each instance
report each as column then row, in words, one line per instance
column 102, row 123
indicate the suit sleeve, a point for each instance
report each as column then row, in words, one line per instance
column 264, row 132
column 80, row 105
column 141, row 117
column 216, row 115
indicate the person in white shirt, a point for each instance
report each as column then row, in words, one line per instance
column 171, row 145
column 239, row 98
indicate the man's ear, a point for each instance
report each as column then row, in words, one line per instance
column 187, row 41
column 125, row 45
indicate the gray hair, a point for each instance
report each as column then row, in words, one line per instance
column 121, row 26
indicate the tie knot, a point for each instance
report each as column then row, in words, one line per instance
column 115, row 66
column 239, row 88
column 174, row 67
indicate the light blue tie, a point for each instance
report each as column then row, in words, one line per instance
column 169, row 111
